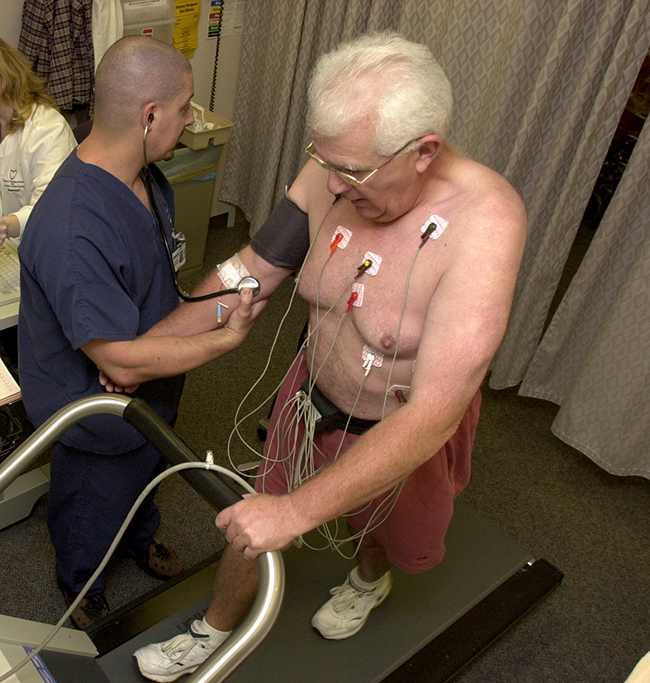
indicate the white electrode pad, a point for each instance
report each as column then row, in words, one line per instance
column 232, row 271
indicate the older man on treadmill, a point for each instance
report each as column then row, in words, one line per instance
column 409, row 254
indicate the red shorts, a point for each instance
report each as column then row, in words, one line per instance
column 413, row 533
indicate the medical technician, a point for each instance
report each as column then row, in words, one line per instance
column 409, row 253
column 97, row 262
column 34, row 140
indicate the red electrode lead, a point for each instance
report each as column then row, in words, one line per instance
column 335, row 243
column 351, row 300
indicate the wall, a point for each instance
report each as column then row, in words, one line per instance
column 202, row 64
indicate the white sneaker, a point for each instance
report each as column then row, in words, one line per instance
column 345, row 614
column 165, row 662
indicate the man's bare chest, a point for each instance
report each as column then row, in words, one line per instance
column 377, row 276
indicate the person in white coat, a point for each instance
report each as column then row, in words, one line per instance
column 35, row 139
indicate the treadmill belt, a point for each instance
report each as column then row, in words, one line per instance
column 484, row 584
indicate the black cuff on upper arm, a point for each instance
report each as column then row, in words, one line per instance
column 283, row 239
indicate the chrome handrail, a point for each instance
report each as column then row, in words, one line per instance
column 266, row 606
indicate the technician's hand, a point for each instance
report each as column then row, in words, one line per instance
column 3, row 231
column 260, row 523
column 111, row 386
column 244, row 316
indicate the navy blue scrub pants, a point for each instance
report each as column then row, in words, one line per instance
column 90, row 496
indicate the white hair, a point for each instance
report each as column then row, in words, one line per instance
column 382, row 76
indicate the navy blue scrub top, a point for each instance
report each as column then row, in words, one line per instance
column 94, row 266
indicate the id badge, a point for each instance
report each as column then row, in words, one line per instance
column 179, row 255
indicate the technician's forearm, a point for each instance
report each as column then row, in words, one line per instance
column 145, row 358
column 192, row 318
column 195, row 317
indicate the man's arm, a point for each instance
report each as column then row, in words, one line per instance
column 465, row 323
column 130, row 363
column 192, row 318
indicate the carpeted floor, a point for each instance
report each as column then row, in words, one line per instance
column 551, row 499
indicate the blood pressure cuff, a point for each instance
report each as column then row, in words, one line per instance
column 283, row 240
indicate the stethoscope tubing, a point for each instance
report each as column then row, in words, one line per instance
column 146, row 174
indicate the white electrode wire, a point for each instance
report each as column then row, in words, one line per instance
column 324, row 529
column 386, row 506
column 303, row 414
column 114, row 544
column 253, row 411
column 310, row 371
column 289, row 420
column 376, row 519
column 312, row 377
column 268, row 360
column 303, row 466
column 302, row 455
column 289, row 415
column 399, row 324
column 389, row 502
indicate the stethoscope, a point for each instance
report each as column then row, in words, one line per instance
column 248, row 282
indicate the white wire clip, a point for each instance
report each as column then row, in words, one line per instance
column 209, row 459
column 371, row 357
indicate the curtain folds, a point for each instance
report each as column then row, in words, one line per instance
column 591, row 80
column 594, row 359
column 269, row 136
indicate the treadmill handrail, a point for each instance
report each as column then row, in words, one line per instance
column 266, row 606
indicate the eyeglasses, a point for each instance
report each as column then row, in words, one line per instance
column 346, row 175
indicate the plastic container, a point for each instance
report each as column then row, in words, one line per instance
column 218, row 132
column 192, row 175
column 154, row 18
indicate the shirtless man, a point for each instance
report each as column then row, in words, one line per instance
column 431, row 244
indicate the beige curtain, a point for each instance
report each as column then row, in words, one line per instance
column 594, row 359
column 564, row 135
column 526, row 77
column 539, row 89
column 281, row 44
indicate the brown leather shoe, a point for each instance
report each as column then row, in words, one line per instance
column 159, row 560
column 88, row 611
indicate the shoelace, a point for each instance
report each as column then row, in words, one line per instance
column 180, row 646
column 346, row 596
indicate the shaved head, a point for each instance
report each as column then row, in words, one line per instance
column 134, row 71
